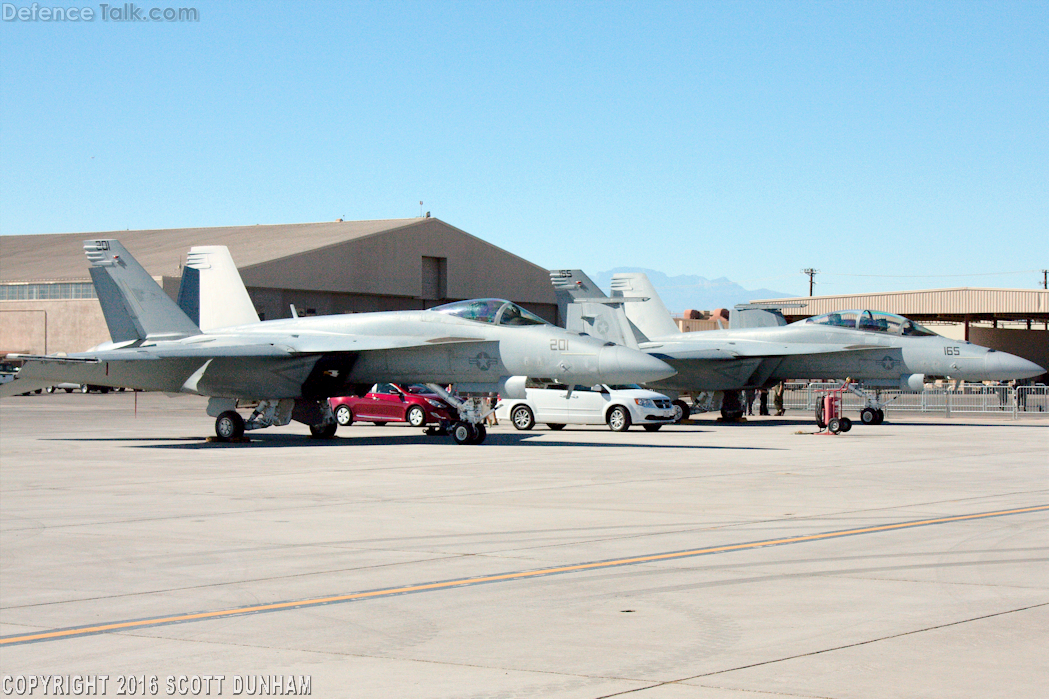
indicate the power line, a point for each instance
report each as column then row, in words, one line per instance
column 934, row 276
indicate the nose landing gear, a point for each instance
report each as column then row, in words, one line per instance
column 469, row 429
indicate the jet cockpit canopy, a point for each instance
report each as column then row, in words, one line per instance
column 494, row 311
column 872, row 321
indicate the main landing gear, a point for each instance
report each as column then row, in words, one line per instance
column 230, row 426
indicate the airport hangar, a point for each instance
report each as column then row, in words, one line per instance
column 48, row 303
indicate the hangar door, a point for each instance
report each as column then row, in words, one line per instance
column 434, row 278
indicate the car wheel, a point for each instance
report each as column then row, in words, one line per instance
column 619, row 419
column 50, row 389
column 681, row 411
column 343, row 415
column 323, row 431
column 652, row 428
column 84, row 388
column 555, row 426
column 869, row 416
column 416, row 416
column 522, row 417
column 229, row 425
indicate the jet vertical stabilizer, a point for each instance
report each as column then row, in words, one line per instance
column 212, row 293
column 650, row 317
column 584, row 308
column 134, row 305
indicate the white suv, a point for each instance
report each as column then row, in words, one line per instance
column 619, row 407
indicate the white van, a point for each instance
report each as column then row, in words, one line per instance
column 619, row 407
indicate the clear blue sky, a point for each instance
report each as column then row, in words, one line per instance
column 737, row 139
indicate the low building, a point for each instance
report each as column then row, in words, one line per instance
column 48, row 304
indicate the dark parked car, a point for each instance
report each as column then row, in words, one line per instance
column 388, row 402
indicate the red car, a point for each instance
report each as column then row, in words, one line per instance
column 388, row 402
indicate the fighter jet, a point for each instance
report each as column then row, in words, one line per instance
column 289, row 368
column 875, row 348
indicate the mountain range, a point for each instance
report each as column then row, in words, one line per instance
column 689, row 291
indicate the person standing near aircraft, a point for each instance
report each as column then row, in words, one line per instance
column 777, row 398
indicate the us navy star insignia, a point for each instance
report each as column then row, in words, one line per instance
column 483, row 362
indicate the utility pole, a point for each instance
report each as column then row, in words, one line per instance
column 1045, row 278
column 812, row 273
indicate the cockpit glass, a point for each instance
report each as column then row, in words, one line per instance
column 872, row 321
column 494, row 311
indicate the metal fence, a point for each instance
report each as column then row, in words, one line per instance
column 965, row 398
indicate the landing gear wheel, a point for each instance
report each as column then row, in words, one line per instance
column 681, row 411
column 323, row 431
column 343, row 415
column 881, row 416
column 555, row 426
column 834, row 425
column 869, row 416
column 819, row 415
column 229, row 425
column 845, row 424
column 463, row 433
column 619, row 419
column 522, row 417
column 416, row 416
column 480, row 433
column 652, row 428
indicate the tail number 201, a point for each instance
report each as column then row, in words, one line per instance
column 556, row 345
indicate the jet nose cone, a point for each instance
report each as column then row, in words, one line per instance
column 1007, row 366
column 624, row 365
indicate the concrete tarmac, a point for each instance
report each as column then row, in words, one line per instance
column 909, row 559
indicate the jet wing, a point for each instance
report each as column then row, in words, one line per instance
column 214, row 347
column 740, row 349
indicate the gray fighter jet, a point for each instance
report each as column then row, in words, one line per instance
column 289, row 368
column 875, row 348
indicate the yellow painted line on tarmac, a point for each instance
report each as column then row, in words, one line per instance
column 78, row 631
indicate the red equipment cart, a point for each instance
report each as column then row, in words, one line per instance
column 828, row 411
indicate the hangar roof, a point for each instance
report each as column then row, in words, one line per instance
column 60, row 256
column 958, row 304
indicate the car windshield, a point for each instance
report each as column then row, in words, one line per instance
column 625, row 387
column 494, row 311
column 419, row 389
column 872, row 321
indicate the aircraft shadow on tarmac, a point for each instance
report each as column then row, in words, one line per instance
column 269, row 441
